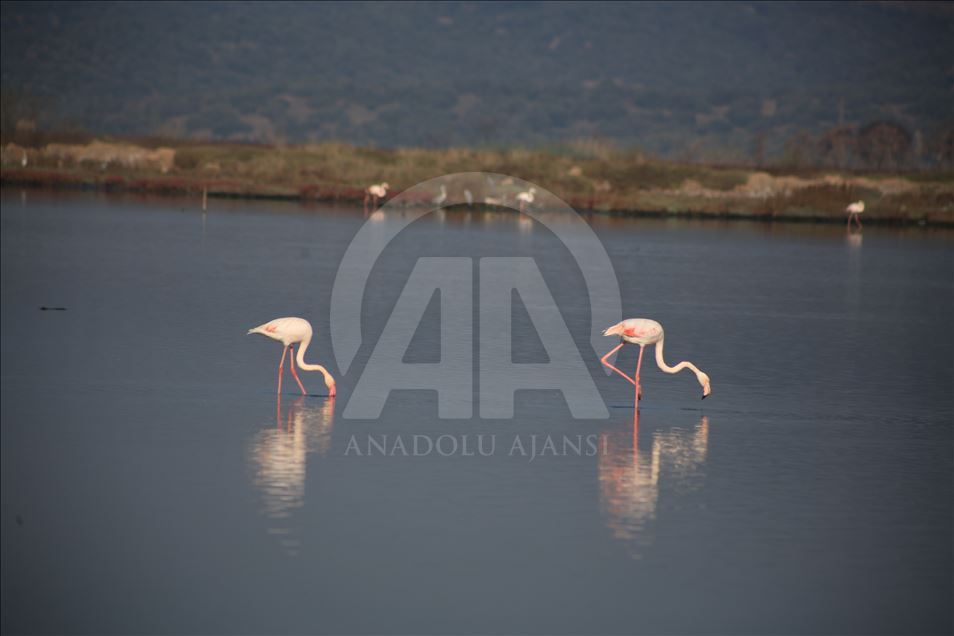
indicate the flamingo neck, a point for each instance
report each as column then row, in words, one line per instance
column 661, row 363
column 300, row 359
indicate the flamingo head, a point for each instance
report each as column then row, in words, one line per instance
column 706, row 385
column 329, row 379
column 385, row 185
column 615, row 330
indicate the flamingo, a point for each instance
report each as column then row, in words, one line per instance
column 375, row 192
column 643, row 331
column 440, row 198
column 289, row 332
column 854, row 211
column 526, row 198
column 469, row 198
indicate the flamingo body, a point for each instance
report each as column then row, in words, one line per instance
column 641, row 331
column 379, row 190
column 291, row 331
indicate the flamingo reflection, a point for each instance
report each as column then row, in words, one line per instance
column 278, row 457
column 629, row 477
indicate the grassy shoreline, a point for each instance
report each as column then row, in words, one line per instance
column 590, row 177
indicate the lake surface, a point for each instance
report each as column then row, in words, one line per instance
column 151, row 482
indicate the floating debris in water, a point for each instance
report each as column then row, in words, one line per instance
column 52, row 308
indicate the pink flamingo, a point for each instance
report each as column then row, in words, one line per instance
column 289, row 332
column 375, row 192
column 644, row 332
column 526, row 198
column 854, row 211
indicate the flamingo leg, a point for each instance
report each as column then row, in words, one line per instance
column 281, row 367
column 639, row 364
column 858, row 220
column 604, row 361
column 291, row 363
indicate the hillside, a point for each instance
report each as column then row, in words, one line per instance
column 700, row 81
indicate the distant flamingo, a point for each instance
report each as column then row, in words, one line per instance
column 644, row 332
column 440, row 198
column 854, row 211
column 291, row 331
column 375, row 192
column 526, row 198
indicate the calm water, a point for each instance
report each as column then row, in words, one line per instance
column 150, row 482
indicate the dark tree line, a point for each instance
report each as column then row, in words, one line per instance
column 878, row 145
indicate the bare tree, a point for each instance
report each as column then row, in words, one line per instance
column 18, row 113
column 884, row 144
column 800, row 150
column 837, row 145
column 942, row 147
column 758, row 149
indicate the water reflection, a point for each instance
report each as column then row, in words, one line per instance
column 629, row 477
column 278, row 456
column 854, row 239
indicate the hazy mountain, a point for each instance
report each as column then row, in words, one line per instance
column 666, row 77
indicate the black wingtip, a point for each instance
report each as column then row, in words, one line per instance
column 704, row 396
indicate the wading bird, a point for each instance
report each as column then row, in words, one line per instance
column 644, row 332
column 440, row 198
column 854, row 211
column 375, row 192
column 526, row 198
column 289, row 332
